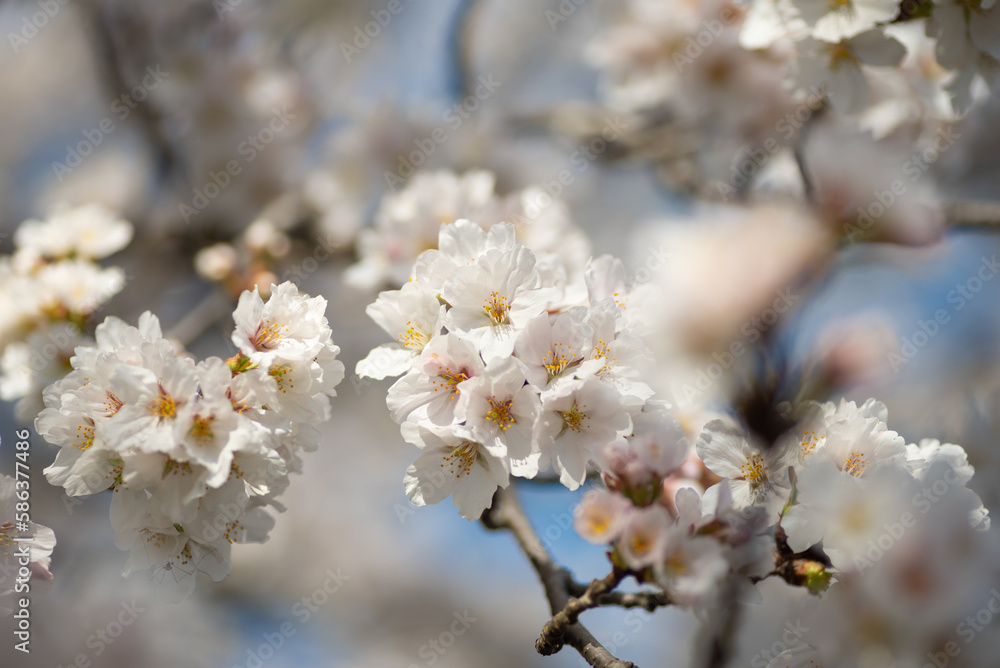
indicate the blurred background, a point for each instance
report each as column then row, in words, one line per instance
column 137, row 104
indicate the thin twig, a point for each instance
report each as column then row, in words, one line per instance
column 720, row 647
column 650, row 600
column 553, row 633
column 506, row 514
column 979, row 213
column 799, row 150
column 647, row 600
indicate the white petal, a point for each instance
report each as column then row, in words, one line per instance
column 390, row 359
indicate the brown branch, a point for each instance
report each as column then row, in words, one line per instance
column 647, row 600
column 506, row 514
column 111, row 41
column 980, row 213
column 552, row 479
column 719, row 650
column 554, row 632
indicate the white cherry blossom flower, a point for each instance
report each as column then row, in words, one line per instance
column 556, row 346
column 77, row 287
column 601, row 516
column 89, row 231
column 501, row 408
column 289, row 325
column 835, row 21
column 29, row 366
column 300, row 389
column 407, row 223
column 658, row 439
column 837, row 67
column 152, row 396
column 643, row 541
column 692, row 568
column 39, row 548
column 920, row 457
column 757, row 476
column 577, row 418
column 454, row 463
column 86, row 463
column 413, row 316
column 208, row 429
column 768, row 21
column 845, row 512
column 492, row 300
column 966, row 41
column 430, row 391
column 623, row 357
column 460, row 244
column 856, row 443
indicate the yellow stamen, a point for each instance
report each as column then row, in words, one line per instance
column 164, row 405
column 500, row 413
column 753, row 471
column 856, row 464
column 574, row 418
column 413, row 337
column 461, row 459
column 268, row 335
column 496, row 308
column 201, row 430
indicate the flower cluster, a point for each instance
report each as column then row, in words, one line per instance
column 39, row 548
column 832, row 41
column 194, row 451
column 509, row 367
column 661, row 50
column 407, row 222
column 836, row 498
column 49, row 288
